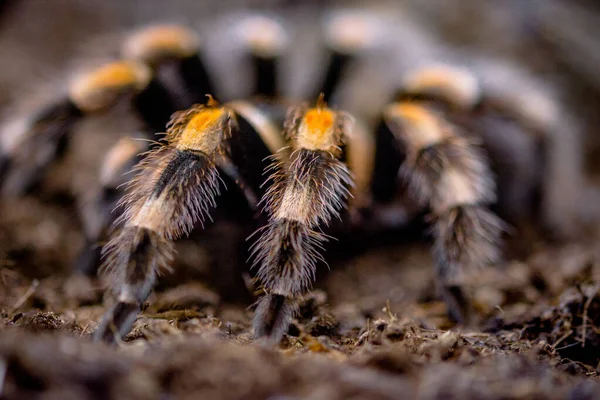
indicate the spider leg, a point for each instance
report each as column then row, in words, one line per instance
column 178, row 191
column 536, row 162
column 450, row 174
column 518, row 158
column 100, row 212
column 174, row 53
column 347, row 35
column 305, row 194
column 265, row 39
column 29, row 146
column 175, row 187
column 241, row 169
column 140, row 253
column 514, row 127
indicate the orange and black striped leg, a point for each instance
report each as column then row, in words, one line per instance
column 347, row 36
column 28, row 146
column 163, row 206
column 174, row 189
column 100, row 212
column 511, row 133
column 449, row 173
column 175, row 55
column 265, row 76
column 141, row 254
column 306, row 193
column 265, row 39
column 337, row 65
column 241, row 171
column 154, row 105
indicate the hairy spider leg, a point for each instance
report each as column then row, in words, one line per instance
column 306, row 193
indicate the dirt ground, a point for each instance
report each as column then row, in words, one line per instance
column 372, row 328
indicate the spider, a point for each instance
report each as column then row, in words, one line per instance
column 325, row 170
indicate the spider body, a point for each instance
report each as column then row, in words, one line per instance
column 316, row 161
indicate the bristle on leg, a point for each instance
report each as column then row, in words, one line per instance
column 305, row 194
column 288, row 253
column 273, row 316
column 174, row 188
column 466, row 235
column 133, row 259
column 449, row 173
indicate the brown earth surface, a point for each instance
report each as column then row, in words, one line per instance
column 372, row 330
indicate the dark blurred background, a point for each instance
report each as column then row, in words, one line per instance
column 42, row 42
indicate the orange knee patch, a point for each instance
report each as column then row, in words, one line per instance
column 455, row 85
column 202, row 130
column 162, row 41
column 114, row 75
column 87, row 91
column 418, row 125
column 317, row 129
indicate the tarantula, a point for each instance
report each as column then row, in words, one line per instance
column 434, row 143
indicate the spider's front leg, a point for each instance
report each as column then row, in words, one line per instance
column 175, row 187
column 306, row 192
